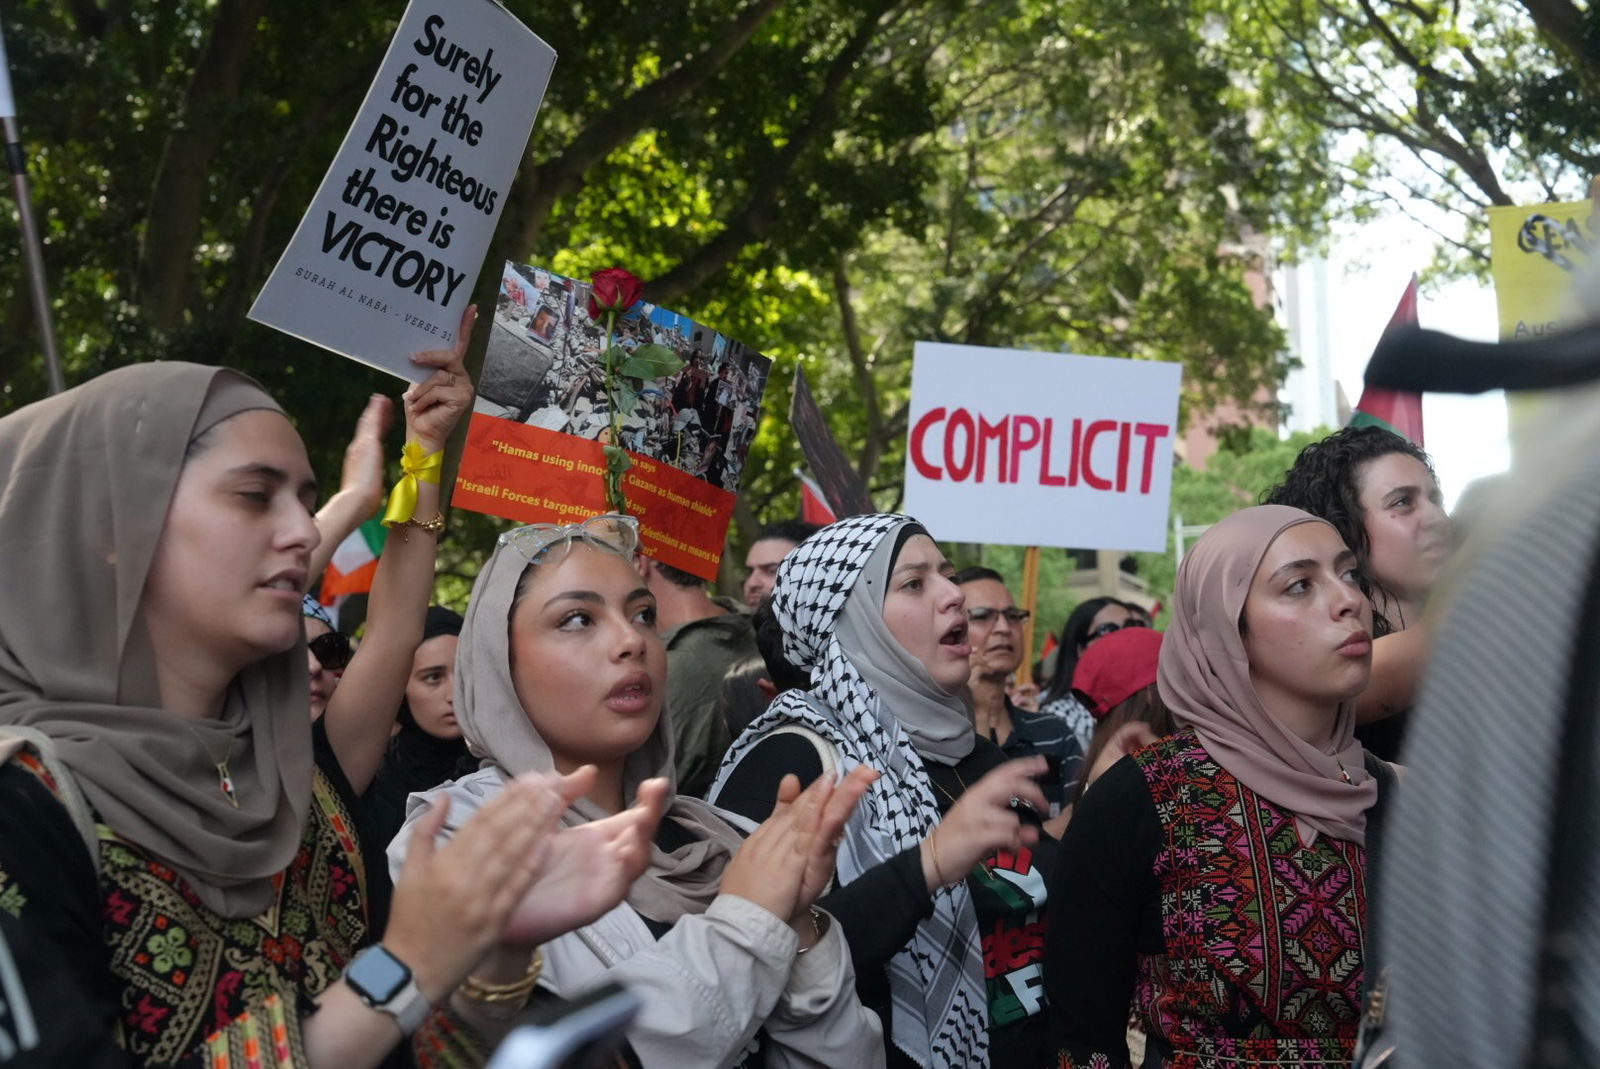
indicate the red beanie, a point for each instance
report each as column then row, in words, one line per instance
column 1117, row 667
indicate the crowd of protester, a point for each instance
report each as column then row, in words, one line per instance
column 821, row 827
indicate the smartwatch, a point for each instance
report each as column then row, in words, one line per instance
column 385, row 983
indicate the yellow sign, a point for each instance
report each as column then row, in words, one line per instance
column 1535, row 254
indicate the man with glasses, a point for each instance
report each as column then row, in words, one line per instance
column 994, row 630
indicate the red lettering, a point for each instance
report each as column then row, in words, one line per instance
column 1149, row 432
column 1122, row 457
column 1045, row 478
column 1095, row 430
column 1077, row 452
column 1024, row 436
column 918, row 434
column 959, row 471
column 996, row 431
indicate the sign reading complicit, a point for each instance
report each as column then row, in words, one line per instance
column 1044, row 449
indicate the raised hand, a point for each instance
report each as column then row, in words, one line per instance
column 435, row 405
column 452, row 902
column 835, row 814
column 983, row 821
column 588, row 870
column 770, row 866
column 362, row 475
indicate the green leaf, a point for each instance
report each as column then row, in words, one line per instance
column 651, row 362
column 617, row 459
column 614, row 357
column 626, row 397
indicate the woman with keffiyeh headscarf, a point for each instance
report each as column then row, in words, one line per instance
column 941, row 882
column 1216, row 880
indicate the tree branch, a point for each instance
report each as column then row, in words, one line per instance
column 532, row 200
column 866, row 386
column 172, row 222
column 760, row 210
column 244, row 276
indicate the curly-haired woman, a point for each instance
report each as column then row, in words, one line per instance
column 1379, row 491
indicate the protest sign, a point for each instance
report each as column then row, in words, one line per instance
column 385, row 259
column 1040, row 449
column 1535, row 255
column 535, row 445
column 842, row 488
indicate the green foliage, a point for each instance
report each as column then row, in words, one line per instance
column 829, row 182
column 1235, row 477
column 1434, row 109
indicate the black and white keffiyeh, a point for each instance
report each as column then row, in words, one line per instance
column 940, row 1011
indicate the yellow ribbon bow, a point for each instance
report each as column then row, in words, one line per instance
column 417, row 465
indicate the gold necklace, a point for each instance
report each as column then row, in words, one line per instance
column 224, row 777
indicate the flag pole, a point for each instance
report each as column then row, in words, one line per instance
column 1030, row 603
column 32, row 251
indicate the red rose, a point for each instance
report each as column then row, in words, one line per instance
column 616, row 289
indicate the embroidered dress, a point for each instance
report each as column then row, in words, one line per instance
column 1236, row 944
column 172, row 982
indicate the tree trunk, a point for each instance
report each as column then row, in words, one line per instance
column 178, row 197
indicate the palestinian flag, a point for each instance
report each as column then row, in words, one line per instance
column 1391, row 409
column 354, row 563
column 814, row 507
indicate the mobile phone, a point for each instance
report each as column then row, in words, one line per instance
column 584, row 1032
column 1026, row 812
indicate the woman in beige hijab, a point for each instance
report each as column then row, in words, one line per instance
column 560, row 665
column 1216, row 881
column 178, row 850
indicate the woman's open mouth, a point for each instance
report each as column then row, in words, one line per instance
column 955, row 640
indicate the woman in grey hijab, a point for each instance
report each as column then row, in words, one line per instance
column 168, row 827
column 937, row 858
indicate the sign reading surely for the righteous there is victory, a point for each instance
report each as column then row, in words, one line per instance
column 385, row 259
column 1040, row 449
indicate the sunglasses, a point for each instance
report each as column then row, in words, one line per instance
column 1109, row 628
column 985, row 615
column 331, row 650
column 612, row 532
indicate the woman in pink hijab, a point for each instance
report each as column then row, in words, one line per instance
column 1216, row 880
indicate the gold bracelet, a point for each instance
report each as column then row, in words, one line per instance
column 433, row 526
column 820, row 923
column 516, row 992
column 933, row 848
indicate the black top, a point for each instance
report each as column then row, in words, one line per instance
column 1109, row 910
column 413, row 762
column 1046, row 735
column 73, row 997
column 879, row 911
column 1383, row 738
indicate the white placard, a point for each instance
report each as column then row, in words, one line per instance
column 385, row 259
column 8, row 104
column 1041, row 449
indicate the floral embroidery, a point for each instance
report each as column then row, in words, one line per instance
column 193, row 981
column 11, row 897
column 170, row 949
column 1263, row 935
